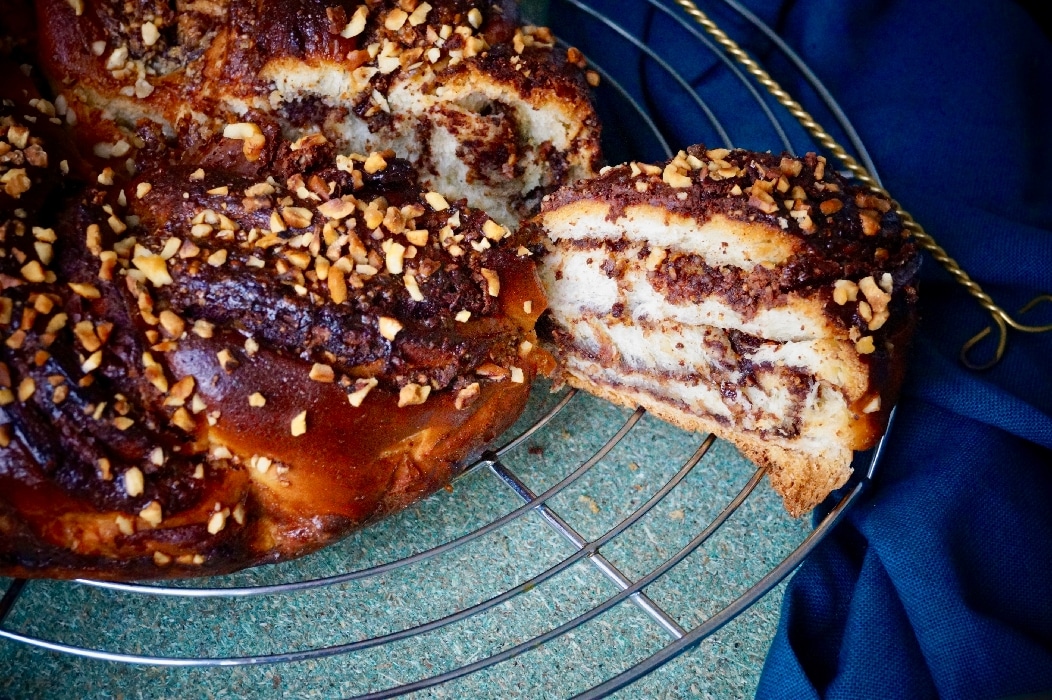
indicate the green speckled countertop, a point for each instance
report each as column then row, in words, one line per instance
column 725, row 665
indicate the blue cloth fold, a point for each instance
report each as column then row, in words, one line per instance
column 938, row 583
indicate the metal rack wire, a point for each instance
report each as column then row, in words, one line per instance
column 633, row 100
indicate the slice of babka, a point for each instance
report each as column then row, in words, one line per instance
column 760, row 297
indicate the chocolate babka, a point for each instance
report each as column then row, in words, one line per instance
column 229, row 344
column 757, row 296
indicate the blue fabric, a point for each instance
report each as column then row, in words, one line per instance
column 939, row 582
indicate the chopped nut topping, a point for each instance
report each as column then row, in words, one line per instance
column 873, row 406
column 155, row 268
column 337, row 285
column 226, row 360
column 152, row 513
column 217, row 258
column 260, row 463
column 413, row 287
column 217, row 522
column 84, row 290
column 203, row 329
column 134, row 483
column 844, row 291
column 33, row 272
column 26, row 388
column 257, row 400
column 171, row 323
column 297, row 217
column 357, row 24
column 374, row 163
column 463, row 316
column 126, row 525
column 413, row 395
column 322, row 373
column 494, row 231
column 675, row 176
column 831, row 206
column 437, row 201
column 492, row 282
column 171, row 247
column 762, row 200
column 870, row 222
column 337, row 209
column 150, row 34
column 419, row 15
column 877, row 299
column 299, row 424
column 250, row 134
column 517, row 375
column 201, row 230
column 417, row 237
column 93, row 362
column 466, row 396
column 394, row 256
column 492, row 371
column 362, row 387
column 389, row 327
column 864, row 345
column 395, row 19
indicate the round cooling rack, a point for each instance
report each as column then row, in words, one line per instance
column 598, row 550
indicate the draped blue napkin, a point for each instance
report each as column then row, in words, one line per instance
column 939, row 581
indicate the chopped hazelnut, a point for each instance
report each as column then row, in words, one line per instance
column 492, row 282
column 437, row 201
column 155, row 268
column 864, row 345
column 134, row 482
column 362, row 387
column 152, row 513
column 217, row 522
column 322, row 373
column 299, row 424
column 389, row 327
column 413, row 394
column 466, row 396
column 374, row 163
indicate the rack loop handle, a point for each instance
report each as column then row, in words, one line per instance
column 1002, row 322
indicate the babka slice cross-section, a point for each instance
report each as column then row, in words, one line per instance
column 760, row 297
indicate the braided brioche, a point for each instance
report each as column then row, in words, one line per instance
column 229, row 345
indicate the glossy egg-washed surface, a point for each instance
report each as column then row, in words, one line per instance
column 237, row 354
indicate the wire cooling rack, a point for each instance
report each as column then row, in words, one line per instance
column 592, row 548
